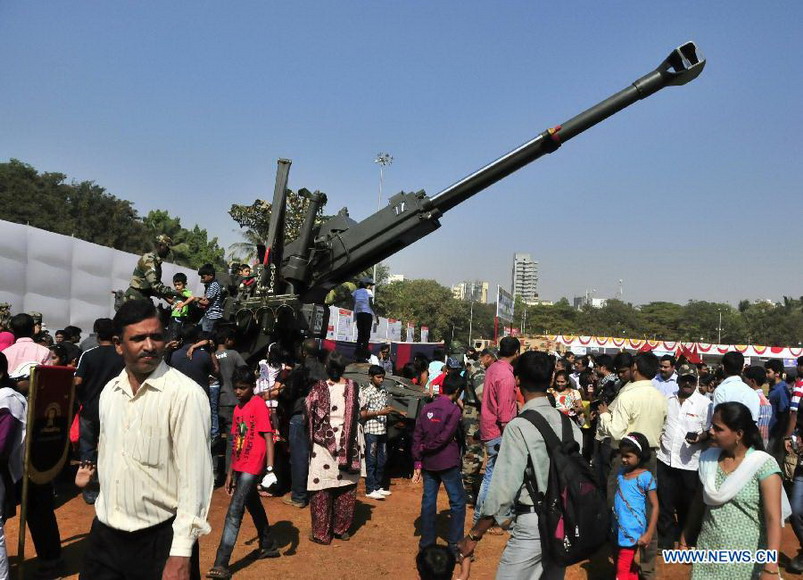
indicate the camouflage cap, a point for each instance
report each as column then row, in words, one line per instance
column 490, row 351
column 164, row 239
column 687, row 370
column 37, row 317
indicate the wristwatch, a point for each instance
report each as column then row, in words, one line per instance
column 473, row 538
column 270, row 469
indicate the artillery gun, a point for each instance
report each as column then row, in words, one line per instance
column 293, row 279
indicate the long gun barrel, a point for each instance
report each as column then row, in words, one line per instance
column 681, row 66
column 344, row 248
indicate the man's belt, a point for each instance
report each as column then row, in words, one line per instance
column 521, row 508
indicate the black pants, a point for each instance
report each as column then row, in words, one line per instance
column 603, row 455
column 141, row 555
column 364, row 322
column 676, row 489
column 42, row 521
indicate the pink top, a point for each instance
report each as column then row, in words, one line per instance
column 26, row 350
column 498, row 399
column 6, row 340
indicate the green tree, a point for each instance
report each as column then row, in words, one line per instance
column 255, row 218
column 192, row 248
column 424, row 302
column 84, row 210
column 615, row 318
column 559, row 318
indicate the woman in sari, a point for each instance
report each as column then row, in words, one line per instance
column 745, row 504
column 337, row 458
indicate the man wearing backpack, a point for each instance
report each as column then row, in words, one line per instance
column 508, row 496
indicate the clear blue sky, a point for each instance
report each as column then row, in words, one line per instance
column 691, row 194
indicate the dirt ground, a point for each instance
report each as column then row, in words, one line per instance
column 383, row 544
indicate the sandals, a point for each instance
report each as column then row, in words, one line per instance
column 218, row 572
column 263, row 492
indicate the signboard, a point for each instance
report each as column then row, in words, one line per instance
column 424, row 334
column 379, row 332
column 334, row 312
column 47, row 438
column 410, row 332
column 504, row 304
column 344, row 324
column 394, row 329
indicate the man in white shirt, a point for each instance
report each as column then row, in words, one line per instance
column 666, row 380
column 687, row 422
column 154, row 463
column 733, row 388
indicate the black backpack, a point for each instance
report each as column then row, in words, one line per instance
column 573, row 514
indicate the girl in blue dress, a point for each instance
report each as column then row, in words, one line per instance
column 635, row 489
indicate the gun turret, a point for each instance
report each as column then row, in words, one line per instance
column 337, row 250
column 410, row 216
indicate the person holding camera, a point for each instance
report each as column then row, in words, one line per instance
column 688, row 420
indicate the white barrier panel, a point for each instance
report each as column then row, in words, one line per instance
column 68, row 280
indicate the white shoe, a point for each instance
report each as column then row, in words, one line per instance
column 375, row 495
column 384, row 492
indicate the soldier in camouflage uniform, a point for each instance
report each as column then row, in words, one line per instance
column 472, row 399
column 146, row 280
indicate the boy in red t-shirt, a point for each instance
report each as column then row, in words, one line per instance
column 252, row 451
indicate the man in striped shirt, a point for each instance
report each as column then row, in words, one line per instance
column 154, row 463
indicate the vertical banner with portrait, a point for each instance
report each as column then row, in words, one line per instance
column 47, row 435
column 50, row 410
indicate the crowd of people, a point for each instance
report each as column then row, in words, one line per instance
column 684, row 455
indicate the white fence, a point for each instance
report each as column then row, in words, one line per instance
column 68, row 280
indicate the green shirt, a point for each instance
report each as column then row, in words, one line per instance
column 184, row 311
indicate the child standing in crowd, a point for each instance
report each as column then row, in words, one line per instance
column 212, row 302
column 636, row 489
column 223, row 399
column 181, row 308
column 374, row 411
column 252, row 454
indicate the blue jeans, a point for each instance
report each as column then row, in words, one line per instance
column 375, row 454
column 453, row 482
column 299, row 458
column 492, row 450
column 214, row 397
column 209, row 325
column 796, row 501
column 245, row 497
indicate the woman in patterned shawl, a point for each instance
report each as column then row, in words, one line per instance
column 337, row 458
